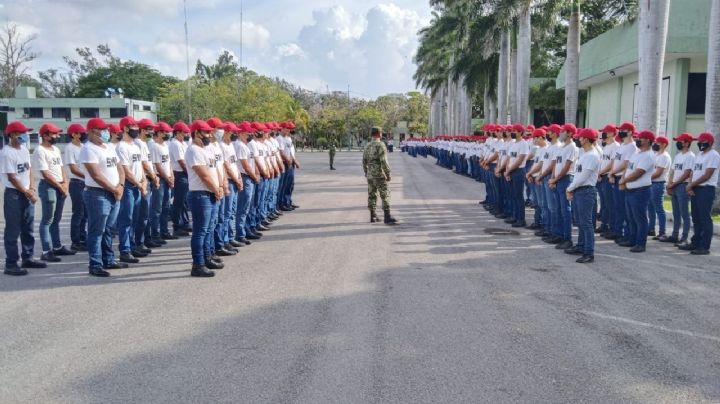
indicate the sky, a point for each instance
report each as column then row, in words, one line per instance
column 319, row 45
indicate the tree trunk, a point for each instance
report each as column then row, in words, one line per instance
column 493, row 111
column 712, row 100
column 572, row 65
column 486, row 103
column 513, row 86
column 523, row 65
column 652, row 36
column 502, row 93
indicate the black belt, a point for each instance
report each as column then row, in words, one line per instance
column 76, row 179
column 637, row 189
column 97, row 189
column 584, row 187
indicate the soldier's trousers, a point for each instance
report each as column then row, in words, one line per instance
column 378, row 186
column 332, row 159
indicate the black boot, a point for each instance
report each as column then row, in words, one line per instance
column 373, row 217
column 389, row 219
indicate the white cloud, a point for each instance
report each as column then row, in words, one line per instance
column 289, row 50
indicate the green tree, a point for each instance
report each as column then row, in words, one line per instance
column 138, row 81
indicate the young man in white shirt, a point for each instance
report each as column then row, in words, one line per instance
column 706, row 172
column 205, row 192
column 19, row 200
column 142, row 239
column 620, row 226
column 244, row 231
column 131, row 160
column 177, row 148
column 584, row 192
column 636, row 184
column 656, row 209
column 562, row 177
column 515, row 175
column 78, row 220
column 541, row 158
column 605, row 192
column 235, row 185
column 104, row 188
column 160, row 201
column 679, row 178
column 218, row 223
column 52, row 191
column 286, row 202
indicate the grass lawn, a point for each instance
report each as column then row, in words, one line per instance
column 668, row 207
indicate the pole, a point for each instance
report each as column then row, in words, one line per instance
column 241, row 34
column 187, row 65
column 347, row 121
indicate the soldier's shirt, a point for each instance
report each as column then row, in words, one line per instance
column 375, row 162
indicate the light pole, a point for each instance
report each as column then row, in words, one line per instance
column 187, row 65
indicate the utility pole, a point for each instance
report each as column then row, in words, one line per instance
column 347, row 121
column 241, row 34
column 187, row 65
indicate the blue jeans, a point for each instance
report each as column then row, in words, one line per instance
column 213, row 233
column 586, row 202
column 681, row 211
column 620, row 221
column 272, row 195
column 655, row 206
column 201, row 208
column 541, row 210
column 517, row 186
column 78, row 220
column 160, row 209
column 229, row 214
column 260, row 204
column 53, row 202
column 289, row 186
column 19, row 218
column 636, row 201
column 141, row 217
column 243, row 221
column 606, row 202
column 129, row 204
column 554, row 222
column 701, row 206
column 180, row 193
column 101, row 224
column 564, row 208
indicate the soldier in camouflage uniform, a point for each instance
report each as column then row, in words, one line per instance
column 377, row 172
column 332, row 148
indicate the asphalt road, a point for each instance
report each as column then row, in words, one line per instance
column 447, row 307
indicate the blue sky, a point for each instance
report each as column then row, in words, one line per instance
column 316, row 44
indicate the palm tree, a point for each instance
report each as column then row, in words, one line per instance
column 523, row 63
column 572, row 64
column 712, row 101
column 652, row 37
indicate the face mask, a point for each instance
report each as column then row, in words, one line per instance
column 656, row 147
column 52, row 140
column 24, row 138
column 233, row 137
column 219, row 134
column 604, row 143
column 679, row 145
column 104, row 135
column 166, row 138
column 513, row 135
column 563, row 137
column 623, row 135
column 703, row 146
column 84, row 137
column 205, row 141
column 638, row 143
column 119, row 136
column 134, row 133
column 577, row 142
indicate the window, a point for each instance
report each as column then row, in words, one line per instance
column 89, row 113
column 61, row 113
column 696, row 93
column 118, row 112
column 33, row 112
column 146, row 108
column 136, row 107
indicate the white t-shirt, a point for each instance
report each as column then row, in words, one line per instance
column 586, row 170
column 258, row 150
column 706, row 160
column 683, row 162
column 567, row 152
column 72, row 156
column 624, row 153
column 177, row 153
column 517, row 149
column 130, row 156
column 201, row 156
column 663, row 161
column 242, row 152
column 160, row 154
column 608, row 154
column 48, row 160
column 15, row 161
column 106, row 159
column 289, row 147
column 645, row 161
column 503, row 147
column 254, row 155
column 218, row 153
column 230, row 156
column 145, row 151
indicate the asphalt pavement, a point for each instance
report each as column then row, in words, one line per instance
column 450, row 306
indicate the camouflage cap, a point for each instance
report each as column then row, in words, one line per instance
column 376, row 129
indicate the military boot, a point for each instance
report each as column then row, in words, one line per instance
column 373, row 217
column 389, row 219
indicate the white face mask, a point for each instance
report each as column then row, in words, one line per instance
column 563, row 137
column 219, row 134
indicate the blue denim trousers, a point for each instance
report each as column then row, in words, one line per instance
column 129, row 204
column 289, row 187
column 229, row 213
column 53, row 202
column 681, row 211
column 585, row 203
column 517, row 185
column 211, row 237
column 159, row 210
column 141, row 218
column 656, row 210
column 201, row 207
column 554, row 222
column 260, row 201
column 541, row 210
column 244, row 203
column 78, row 220
column 636, row 202
column 606, row 201
column 218, row 225
column 564, row 209
column 620, row 223
column 701, row 206
column 19, row 218
column 101, row 224
column 180, row 193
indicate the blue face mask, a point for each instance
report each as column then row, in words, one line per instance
column 105, row 136
column 24, row 138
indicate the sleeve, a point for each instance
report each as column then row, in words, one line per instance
column 663, row 161
column 144, row 152
column 123, row 153
column 174, row 149
column 39, row 160
column 155, row 154
column 714, row 161
column 195, row 159
column 689, row 162
column 86, row 156
column 647, row 164
column 589, row 168
column 7, row 163
column 70, row 155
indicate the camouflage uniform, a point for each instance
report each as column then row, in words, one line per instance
column 377, row 171
column 332, row 148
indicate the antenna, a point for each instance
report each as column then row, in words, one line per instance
column 187, row 65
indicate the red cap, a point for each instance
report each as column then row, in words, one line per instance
column 555, row 128
column 259, row 126
column 570, row 128
column 215, row 123
column 662, row 140
column 530, row 128
column 706, row 138
column 685, row 137
column 230, row 127
column 518, row 128
column 145, row 123
column 245, row 127
column 646, row 134
column 16, row 127
column 48, row 128
column 290, row 125
column 162, row 127
column 609, row 128
column 127, row 121
column 539, row 133
column 96, row 123
column 114, row 129
column 201, row 126
column 181, row 126
column 75, row 128
column 588, row 133
column 627, row 127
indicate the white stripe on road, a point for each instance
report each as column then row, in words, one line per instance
column 653, row 326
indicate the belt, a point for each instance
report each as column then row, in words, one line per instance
column 97, row 189
column 48, row 182
column 584, row 187
column 76, row 179
column 637, row 189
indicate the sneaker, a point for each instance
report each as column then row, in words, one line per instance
column 49, row 257
column 63, row 251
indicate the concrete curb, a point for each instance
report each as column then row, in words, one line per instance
column 716, row 231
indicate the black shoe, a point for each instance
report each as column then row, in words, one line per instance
column 272, row 218
column 573, row 251
column 585, row 259
column 700, row 251
column 200, row 271
column 237, row 244
column 224, row 253
column 295, row 206
column 626, row 244
column 373, row 217
column 265, row 223
column 159, row 241
column 49, row 257
column 151, row 244
column 518, row 224
column 687, row 247
column 138, row 254
column 637, row 249
column 244, row 240
column 210, row 264
column 501, row 216
column 15, row 271
column 99, row 272
column 600, row 230
column 63, row 251
column 215, row 259
column 285, row 209
column 651, row 233
column 658, row 237
column 128, row 258
column 509, row 220
column 388, row 219
column 229, row 247
column 181, row 233
column 32, row 264
column 612, row 236
column 252, row 237
column 533, row 226
column 263, row 228
column 144, row 250
column 115, row 265
column 169, row 237
column 564, row 245
column 666, row 239
column 78, row 247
